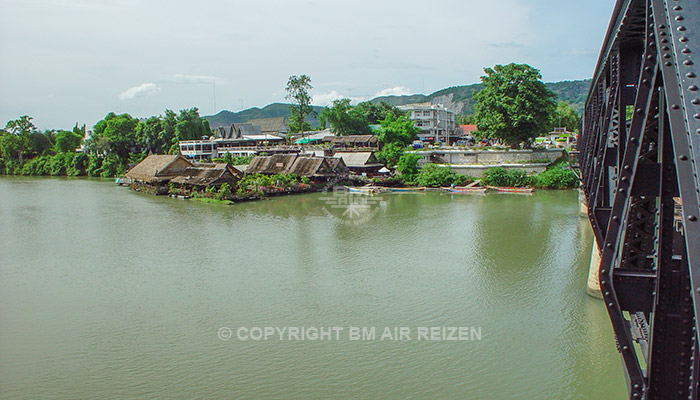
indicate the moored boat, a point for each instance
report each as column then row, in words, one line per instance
column 405, row 189
column 466, row 190
column 364, row 189
column 509, row 189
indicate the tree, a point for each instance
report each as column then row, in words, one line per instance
column 408, row 164
column 396, row 130
column 298, row 88
column 190, row 126
column 345, row 119
column 21, row 144
column 377, row 112
column 67, row 141
column 566, row 117
column 514, row 105
column 115, row 134
column 390, row 154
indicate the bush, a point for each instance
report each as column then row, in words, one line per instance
column 79, row 165
column 94, row 165
column 224, row 192
column 499, row 176
column 556, row 178
column 112, row 166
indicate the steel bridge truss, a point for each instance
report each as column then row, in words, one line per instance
column 640, row 159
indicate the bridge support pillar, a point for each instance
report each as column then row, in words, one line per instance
column 593, row 285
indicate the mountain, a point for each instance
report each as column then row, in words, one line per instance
column 225, row 117
column 573, row 92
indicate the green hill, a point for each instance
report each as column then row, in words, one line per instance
column 574, row 92
column 273, row 110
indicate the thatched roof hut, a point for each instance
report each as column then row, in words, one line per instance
column 158, row 168
column 306, row 165
column 208, row 175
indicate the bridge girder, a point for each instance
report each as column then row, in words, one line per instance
column 640, row 160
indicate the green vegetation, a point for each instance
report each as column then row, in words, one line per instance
column 499, row 176
column 345, row 119
column 567, row 117
column 233, row 160
column 515, row 105
column 117, row 140
column 434, row 175
column 556, row 177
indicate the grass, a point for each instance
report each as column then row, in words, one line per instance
column 211, row 201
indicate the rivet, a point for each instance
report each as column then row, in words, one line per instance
column 610, row 304
column 661, row 26
column 691, row 75
column 621, row 190
column 668, row 63
column 677, row 8
column 685, row 51
column 639, row 110
column 679, row 18
column 695, row 101
column 666, row 55
column 675, row 106
column 692, row 218
column 683, row 39
column 683, row 157
column 693, row 88
column 665, row 48
column 687, row 62
column 697, row 116
column 681, row 28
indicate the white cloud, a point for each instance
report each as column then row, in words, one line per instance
column 144, row 89
column 325, row 99
column 395, row 91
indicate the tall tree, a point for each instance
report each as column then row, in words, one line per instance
column 67, row 141
column 514, row 105
column 115, row 134
column 377, row 112
column 298, row 88
column 566, row 117
column 190, row 126
column 345, row 119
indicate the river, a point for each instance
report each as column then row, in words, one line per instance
column 109, row 293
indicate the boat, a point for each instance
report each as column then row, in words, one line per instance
column 509, row 189
column 405, row 189
column 364, row 189
column 465, row 189
column 123, row 181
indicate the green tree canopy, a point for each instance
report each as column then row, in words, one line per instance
column 190, row 126
column 396, row 130
column 345, row 119
column 115, row 134
column 67, row 141
column 566, row 117
column 377, row 112
column 514, row 105
column 298, row 88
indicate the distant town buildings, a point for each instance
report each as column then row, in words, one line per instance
column 436, row 123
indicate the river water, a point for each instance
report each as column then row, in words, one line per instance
column 108, row 293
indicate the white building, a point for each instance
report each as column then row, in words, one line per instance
column 436, row 123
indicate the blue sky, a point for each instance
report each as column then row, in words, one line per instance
column 68, row 61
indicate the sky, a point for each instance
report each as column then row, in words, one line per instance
column 73, row 61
